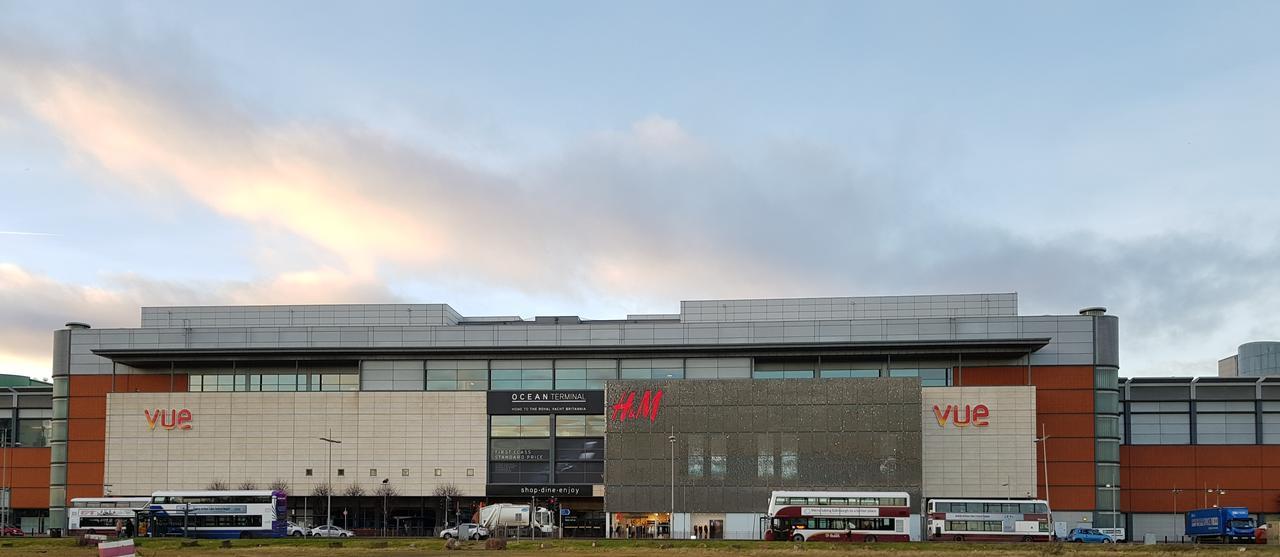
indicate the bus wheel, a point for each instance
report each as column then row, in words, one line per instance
column 959, row 538
column 797, row 538
column 1026, row 538
column 869, row 539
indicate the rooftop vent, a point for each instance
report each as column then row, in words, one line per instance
column 557, row 320
column 1095, row 310
column 76, row 325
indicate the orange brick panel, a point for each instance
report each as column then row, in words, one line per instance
column 29, row 477
column 1067, row 449
column 986, row 376
column 1228, row 455
column 1064, row 402
column 1067, row 473
column 1160, row 478
column 30, row 498
column 89, row 385
column 87, row 407
column 1157, row 455
column 1069, row 498
column 86, row 451
column 84, row 473
column 30, row 456
column 86, row 429
column 1270, row 501
column 1271, row 476
column 1228, row 478
column 1271, row 454
column 1066, row 425
column 1062, row 377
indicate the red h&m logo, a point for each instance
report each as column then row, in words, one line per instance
column 627, row 409
column 168, row 419
column 977, row 415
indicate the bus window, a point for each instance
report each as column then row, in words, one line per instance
column 839, row 501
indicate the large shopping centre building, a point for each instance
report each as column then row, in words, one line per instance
column 682, row 421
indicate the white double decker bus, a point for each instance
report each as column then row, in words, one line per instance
column 217, row 514
column 848, row 516
column 93, row 515
column 990, row 520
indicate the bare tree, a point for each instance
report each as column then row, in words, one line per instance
column 447, row 492
column 447, row 489
column 386, row 490
column 354, row 490
column 247, row 485
column 280, row 485
column 217, row 485
column 322, row 490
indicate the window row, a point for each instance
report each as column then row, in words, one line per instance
column 540, row 472
column 842, row 501
column 32, row 428
column 992, row 508
column 873, row 524
column 285, row 382
column 540, row 426
column 929, row 377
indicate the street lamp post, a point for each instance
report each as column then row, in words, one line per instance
column 1175, row 491
column 1115, row 498
column 328, row 493
column 386, row 491
column 1043, row 440
column 671, row 517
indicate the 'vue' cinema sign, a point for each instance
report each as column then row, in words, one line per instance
column 971, row 415
column 168, row 419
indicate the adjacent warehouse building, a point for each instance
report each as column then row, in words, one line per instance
column 486, row 409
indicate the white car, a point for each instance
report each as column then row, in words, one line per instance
column 478, row 532
column 298, row 531
column 331, row 531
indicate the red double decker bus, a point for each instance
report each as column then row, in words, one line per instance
column 849, row 516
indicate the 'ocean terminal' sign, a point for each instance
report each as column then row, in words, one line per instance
column 972, row 415
column 168, row 419
column 545, row 402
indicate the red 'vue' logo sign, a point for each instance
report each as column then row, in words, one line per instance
column 976, row 415
column 627, row 409
column 168, row 419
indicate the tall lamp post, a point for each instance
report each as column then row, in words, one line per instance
column 1115, row 498
column 328, row 494
column 386, row 490
column 1175, row 491
column 671, row 517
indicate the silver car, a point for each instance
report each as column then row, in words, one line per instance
column 298, row 531
column 331, row 531
column 477, row 531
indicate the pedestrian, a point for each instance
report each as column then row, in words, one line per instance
column 128, row 528
column 119, row 527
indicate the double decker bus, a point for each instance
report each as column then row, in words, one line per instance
column 990, row 520
column 91, row 515
column 217, row 514
column 849, row 516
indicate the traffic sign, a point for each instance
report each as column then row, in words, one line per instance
column 564, row 511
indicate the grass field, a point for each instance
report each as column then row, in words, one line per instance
column 616, row 548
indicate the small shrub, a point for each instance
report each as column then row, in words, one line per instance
column 495, row 543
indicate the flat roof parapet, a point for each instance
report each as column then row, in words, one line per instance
column 854, row 307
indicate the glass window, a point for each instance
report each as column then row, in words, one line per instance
column 785, row 370
column 34, row 432
column 790, row 461
column 719, row 461
column 1106, row 378
column 580, row 449
column 696, row 456
column 849, row 372
column 585, row 374
column 580, row 426
column 457, row 375
column 1106, row 402
column 1107, row 450
column 194, row 382
column 1107, row 426
column 668, row 368
column 1108, row 474
column 515, row 375
column 520, row 426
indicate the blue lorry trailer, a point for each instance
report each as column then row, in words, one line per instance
column 1220, row 525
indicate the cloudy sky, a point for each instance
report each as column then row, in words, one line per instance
column 602, row 158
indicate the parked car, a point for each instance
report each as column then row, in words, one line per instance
column 299, row 531
column 11, row 530
column 478, row 532
column 331, row 531
column 1088, row 535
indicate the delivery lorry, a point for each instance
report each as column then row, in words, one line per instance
column 510, row 519
column 1220, row 525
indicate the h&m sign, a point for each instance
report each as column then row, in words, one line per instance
column 631, row 407
column 962, row 416
column 168, row 419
